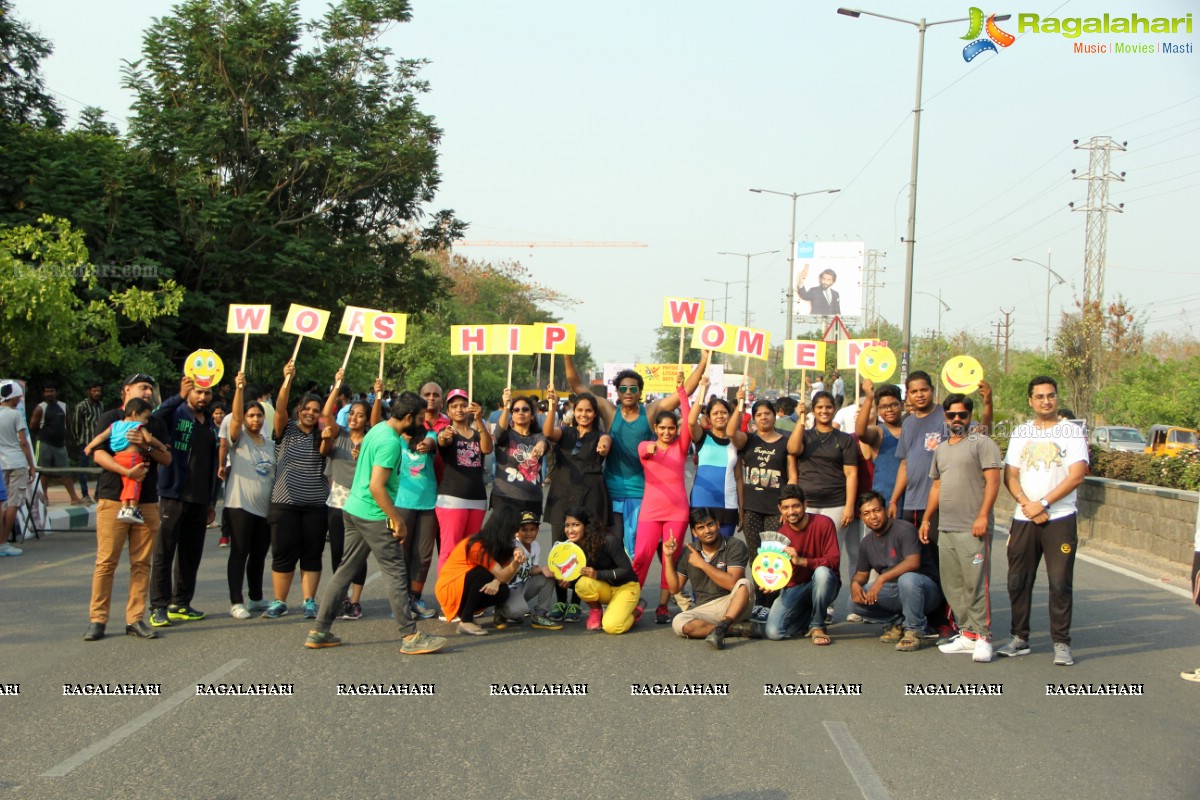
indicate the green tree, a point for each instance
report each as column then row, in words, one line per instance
column 23, row 98
column 46, row 325
column 666, row 346
column 295, row 157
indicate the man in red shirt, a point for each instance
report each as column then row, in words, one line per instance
column 815, row 560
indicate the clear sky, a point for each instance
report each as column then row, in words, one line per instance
column 650, row 121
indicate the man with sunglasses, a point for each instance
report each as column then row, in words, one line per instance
column 1046, row 462
column 966, row 481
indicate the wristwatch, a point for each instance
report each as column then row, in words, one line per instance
column 1045, row 503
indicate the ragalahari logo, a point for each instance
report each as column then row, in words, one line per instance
column 994, row 37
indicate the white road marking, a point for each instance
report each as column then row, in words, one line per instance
column 133, row 726
column 856, row 762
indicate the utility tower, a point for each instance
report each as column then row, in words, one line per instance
column 870, row 284
column 1098, row 175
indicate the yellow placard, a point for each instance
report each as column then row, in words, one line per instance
column 803, row 354
column 659, row 378
column 248, row 319
column 513, row 339
column 470, row 340
column 682, row 312
column 715, row 336
column 555, row 337
column 848, row 351
column 877, row 364
column 384, row 327
column 305, row 321
column 352, row 320
column 962, row 375
column 752, row 342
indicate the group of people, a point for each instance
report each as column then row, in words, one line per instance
column 905, row 501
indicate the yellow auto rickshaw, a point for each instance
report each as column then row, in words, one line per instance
column 1169, row 440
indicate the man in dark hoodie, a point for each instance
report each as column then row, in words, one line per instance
column 187, row 492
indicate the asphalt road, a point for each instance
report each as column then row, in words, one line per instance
column 462, row 742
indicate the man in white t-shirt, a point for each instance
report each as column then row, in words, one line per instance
column 16, row 460
column 1046, row 462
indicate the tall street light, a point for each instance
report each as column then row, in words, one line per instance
column 726, row 284
column 1058, row 277
column 792, row 262
column 747, row 256
column 910, row 240
column 941, row 307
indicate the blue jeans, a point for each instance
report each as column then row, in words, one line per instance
column 801, row 608
column 909, row 598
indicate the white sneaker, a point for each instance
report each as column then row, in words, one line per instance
column 983, row 651
column 239, row 611
column 854, row 618
column 7, row 549
column 959, row 644
column 126, row 514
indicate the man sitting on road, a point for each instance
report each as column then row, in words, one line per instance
column 903, row 593
column 815, row 562
column 717, row 572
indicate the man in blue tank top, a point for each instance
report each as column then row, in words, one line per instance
column 628, row 423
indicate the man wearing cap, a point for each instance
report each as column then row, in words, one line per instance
column 188, row 486
column 111, row 535
column 16, row 459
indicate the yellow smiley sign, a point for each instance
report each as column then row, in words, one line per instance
column 876, row 363
column 772, row 569
column 961, row 375
column 205, row 368
column 566, row 560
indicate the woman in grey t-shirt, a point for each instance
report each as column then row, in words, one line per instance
column 248, row 499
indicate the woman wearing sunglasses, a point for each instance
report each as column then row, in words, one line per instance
column 520, row 446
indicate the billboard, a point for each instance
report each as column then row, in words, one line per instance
column 827, row 280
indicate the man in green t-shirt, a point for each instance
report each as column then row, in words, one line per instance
column 374, row 525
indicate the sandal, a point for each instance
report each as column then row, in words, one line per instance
column 819, row 637
column 1194, row 677
column 910, row 643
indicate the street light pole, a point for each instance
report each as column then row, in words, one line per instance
column 910, row 239
column 1049, row 272
column 747, row 256
column 791, row 261
column 941, row 306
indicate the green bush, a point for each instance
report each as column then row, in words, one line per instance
column 1173, row 472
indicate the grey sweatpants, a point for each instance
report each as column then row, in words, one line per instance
column 966, row 566
column 536, row 586
column 363, row 537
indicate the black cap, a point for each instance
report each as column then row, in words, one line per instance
column 139, row 377
column 530, row 518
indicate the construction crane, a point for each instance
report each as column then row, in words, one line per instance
column 499, row 243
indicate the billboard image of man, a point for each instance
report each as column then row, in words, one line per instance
column 824, row 300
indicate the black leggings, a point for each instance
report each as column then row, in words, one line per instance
column 337, row 545
column 297, row 534
column 473, row 597
column 249, row 540
column 422, row 530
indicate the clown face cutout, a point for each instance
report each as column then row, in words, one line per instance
column 771, row 569
column 205, row 368
column 566, row 561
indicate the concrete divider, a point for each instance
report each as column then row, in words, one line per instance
column 1158, row 522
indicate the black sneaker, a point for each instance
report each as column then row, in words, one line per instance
column 499, row 621
column 158, row 618
column 716, row 639
column 184, row 613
